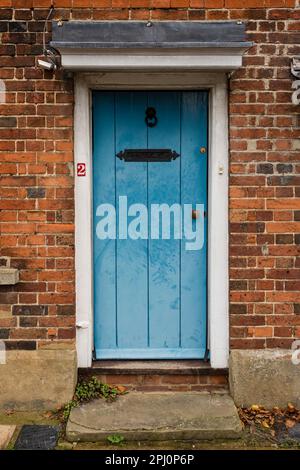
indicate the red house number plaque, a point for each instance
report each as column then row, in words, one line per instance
column 81, row 169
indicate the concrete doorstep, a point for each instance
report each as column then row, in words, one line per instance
column 156, row 416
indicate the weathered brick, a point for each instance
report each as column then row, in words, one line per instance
column 30, row 310
column 6, row 13
column 284, row 168
column 4, row 333
column 17, row 26
column 65, row 310
column 29, row 322
column 22, row 345
column 8, row 121
column 23, row 14
column 297, row 215
column 36, row 193
column 297, row 308
column 265, row 168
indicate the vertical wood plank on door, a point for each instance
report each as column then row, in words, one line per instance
column 104, row 192
column 164, row 255
column 132, row 255
column 193, row 190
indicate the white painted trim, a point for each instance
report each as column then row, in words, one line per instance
column 83, row 225
column 218, row 231
column 192, row 59
column 217, row 199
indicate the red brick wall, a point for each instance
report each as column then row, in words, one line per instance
column 36, row 169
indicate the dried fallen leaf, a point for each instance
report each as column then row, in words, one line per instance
column 255, row 408
column 257, row 415
column 121, row 389
column 277, row 411
column 289, row 423
column 262, row 415
column 291, row 408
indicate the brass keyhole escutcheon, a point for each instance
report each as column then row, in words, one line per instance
column 203, row 150
column 195, row 214
column 151, row 118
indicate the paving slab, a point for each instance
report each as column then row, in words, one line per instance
column 6, row 433
column 156, row 416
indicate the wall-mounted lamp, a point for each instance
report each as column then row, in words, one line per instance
column 49, row 62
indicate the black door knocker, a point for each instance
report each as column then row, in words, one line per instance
column 151, row 118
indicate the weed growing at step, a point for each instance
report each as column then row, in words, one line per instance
column 87, row 391
column 116, row 439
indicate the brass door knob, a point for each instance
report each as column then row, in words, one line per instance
column 195, row 214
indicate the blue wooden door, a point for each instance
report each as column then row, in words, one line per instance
column 149, row 292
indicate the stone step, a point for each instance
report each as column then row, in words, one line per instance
column 187, row 366
column 192, row 375
column 155, row 416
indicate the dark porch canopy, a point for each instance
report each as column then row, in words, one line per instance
column 101, row 40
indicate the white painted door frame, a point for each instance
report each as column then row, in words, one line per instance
column 218, row 285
